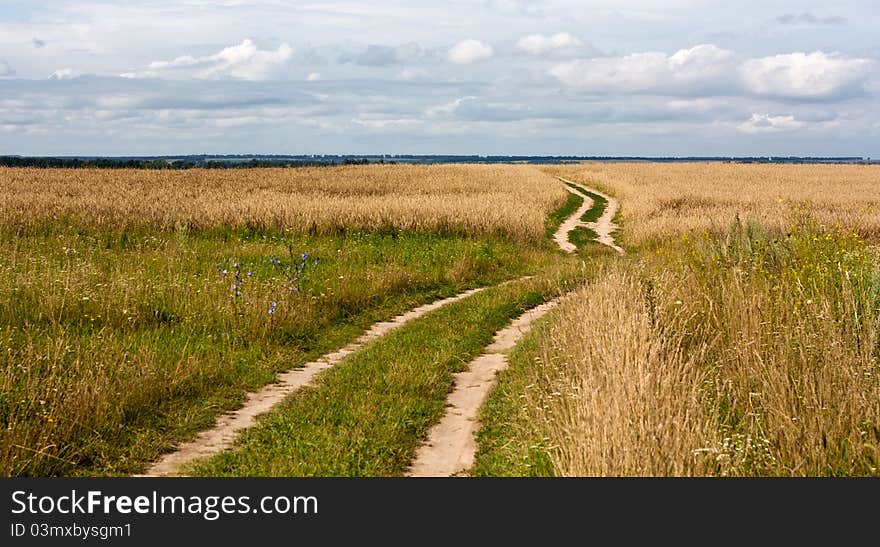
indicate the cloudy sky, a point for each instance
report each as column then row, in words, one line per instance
column 583, row 77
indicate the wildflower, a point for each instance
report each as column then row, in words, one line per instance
column 250, row 274
column 272, row 306
column 223, row 273
column 304, row 256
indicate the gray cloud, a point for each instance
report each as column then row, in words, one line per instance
column 6, row 70
column 807, row 18
column 527, row 76
column 378, row 55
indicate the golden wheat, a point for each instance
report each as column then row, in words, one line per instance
column 472, row 199
column 662, row 200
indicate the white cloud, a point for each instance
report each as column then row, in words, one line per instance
column 182, row 61
column 412, row 74
column 814, row 75
column 64, row 74
column 765, row 123
column 687, row 70
column 538, row 44
column 469, row 51
column 447, row 108
column 244, row 61
column 709, row 70
column 6, row 70
column 313, row 77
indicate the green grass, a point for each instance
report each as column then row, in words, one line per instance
column 557, row 217
column 582, row 237
column 508, row 447
column 599, row 204
column 367, row 415
column 119, row 344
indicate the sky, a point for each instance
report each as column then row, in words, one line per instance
column 511, row 77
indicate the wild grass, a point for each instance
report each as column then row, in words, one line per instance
column 117, row 344
column 558, row 216
column 665, row 200
column 599, row 203
column 498, row 200
column 751, row 353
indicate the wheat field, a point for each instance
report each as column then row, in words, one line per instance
column 663, row 200
column 469, row 199
column 740, row 338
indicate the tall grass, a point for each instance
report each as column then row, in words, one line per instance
column 751, row 353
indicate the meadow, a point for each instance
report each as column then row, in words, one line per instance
column 739, row 335
column 138, row 305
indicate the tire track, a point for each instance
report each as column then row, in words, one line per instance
column 454, row 435
column 451, row 445
column 603, row 227
column 227, row 426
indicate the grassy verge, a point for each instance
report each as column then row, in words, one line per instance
column 557, row 217
column 367, row 416
column 118, row 344
column 599, row 203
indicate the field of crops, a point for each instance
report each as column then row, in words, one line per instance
column 463, row 199
column 742, row 339
column 739, row 336
column 666, row 200
column 137, row 305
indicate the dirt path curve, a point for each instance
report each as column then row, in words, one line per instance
column 455, row 433
column 572, row 222
column 603, row 227
column 451, row 445
column 227, row 426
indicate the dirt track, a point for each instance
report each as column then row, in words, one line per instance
column 226, row 428
column 603, row 227
column 451, row 446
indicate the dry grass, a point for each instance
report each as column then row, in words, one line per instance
column 663, row 200
column 468, row 199
column 745, row 355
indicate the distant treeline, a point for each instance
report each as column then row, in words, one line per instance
column 245, row 162
column 112, row 163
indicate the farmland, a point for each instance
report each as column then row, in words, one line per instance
column 739, row 335
column 741, row 339
column 136, row 307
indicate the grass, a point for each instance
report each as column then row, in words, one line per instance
column 509, row 446
column 558, row 216
column 583, row 237
column 750, row 353
column 367, row 416
column 599, row 203
column 120, row 343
